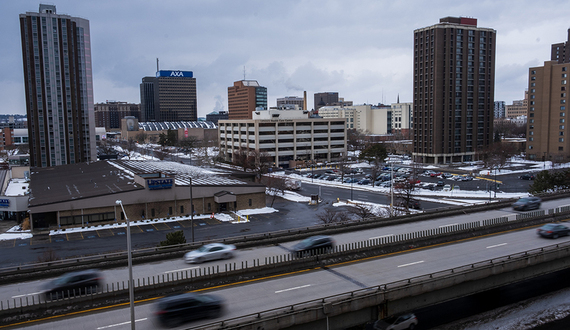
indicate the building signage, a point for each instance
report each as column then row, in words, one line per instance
column 165, row 73
column 155, row 184
column 4, row 202
column 186, row 132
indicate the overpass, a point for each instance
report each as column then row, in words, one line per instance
column 362, row 304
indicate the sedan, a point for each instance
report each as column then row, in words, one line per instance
column 174, row 310
column 71, row 284
column 527, row 203
column 211, row 251
column 553, row 230
column 406, row 321
column 313, row 245
column 527, row 177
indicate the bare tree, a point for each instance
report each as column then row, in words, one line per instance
column 332, row 216
column 362, row 211
column 141, row 137
column 240, row 159
column 131, row 147
column 276, row 186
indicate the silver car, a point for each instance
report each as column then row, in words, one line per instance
column 211, row 251
column 406, row 321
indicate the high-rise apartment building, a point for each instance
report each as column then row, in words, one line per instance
column 170, row 96
column 291, row 101
column 454, row 74
column 548, row 101
column 244, row 97
column 110, row 113
column 56, row 51
column 499, row 109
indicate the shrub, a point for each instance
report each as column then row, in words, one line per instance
column 174, row 238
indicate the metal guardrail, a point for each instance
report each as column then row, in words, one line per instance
column 285, row 261
column 382, row 288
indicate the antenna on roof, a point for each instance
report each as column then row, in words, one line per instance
column 157, row 65
column 244, row 72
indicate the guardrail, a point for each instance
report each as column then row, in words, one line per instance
column 230, row 272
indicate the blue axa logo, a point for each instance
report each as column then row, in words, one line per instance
column 177, row 74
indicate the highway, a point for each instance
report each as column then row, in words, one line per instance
column 280, row 291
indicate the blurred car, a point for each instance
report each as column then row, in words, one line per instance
column 527, row 176
column 313, row 245
column 177, row 309
column 331, row 178
column 434, row 174
column 440, row 183
column 467, row 178
column 364, row 181
column 553, row 230
column 527, row 203
column 73, row 284
column 412, row 204
column 405, row 321
column 211, row 251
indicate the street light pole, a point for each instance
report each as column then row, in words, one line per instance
column 130, row 264
column 191, row 212
column 312, row 172
column 351, row 182
column 495, row 182
column 391, row 189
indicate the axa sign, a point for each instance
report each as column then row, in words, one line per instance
column 178, row 73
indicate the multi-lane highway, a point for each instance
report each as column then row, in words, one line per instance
column 247, row 298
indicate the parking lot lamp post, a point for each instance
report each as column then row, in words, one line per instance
column 391, row 189
column 130, row 264
column 312, row 172
column 191, row 212
column 495, row 182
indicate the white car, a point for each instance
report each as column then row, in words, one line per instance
column 211, row 251
column 406, row 321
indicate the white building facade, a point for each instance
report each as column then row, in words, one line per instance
column 284, row 135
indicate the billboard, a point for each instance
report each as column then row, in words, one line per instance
column 169, row 73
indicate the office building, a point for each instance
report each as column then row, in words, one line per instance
column 284, row 135
column 367, row 119
column 329, row 99
column 518, row 108
column 214, row 116
column 288, row 102
column 56, row 51
column 245, row 97
column 110, row 113
column 548, row 101
column 170, row 96
column 454, row 74
column 402, row 119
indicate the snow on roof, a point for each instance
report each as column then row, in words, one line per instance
column 17, row 187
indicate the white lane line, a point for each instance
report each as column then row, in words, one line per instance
column 381, row 236
column 119, row 324
column 453, row 224
column 413, row 263
column 493, row 246
column 295, row 288
column 180, row 270
column 28, row 294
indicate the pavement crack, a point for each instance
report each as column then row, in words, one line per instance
column 350, row 279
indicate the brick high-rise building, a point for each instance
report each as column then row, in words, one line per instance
column 548, row 101
column 244, row 97
column 110, row 113
column 454, row 78
column 56, row 51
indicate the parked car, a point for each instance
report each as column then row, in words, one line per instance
column 210, row 251
column 72, row 284
column 527, row 176
column 434, row 174
column 405, row 321
column 440, row 183
column 527, row 203
column 313, row 245
column 364, row 181
column 412, row 204
column 177, row 309
column 466, row 178
column 446, row 175
column 331, row 178
column 553, row 230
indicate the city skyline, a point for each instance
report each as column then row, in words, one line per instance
column 364, row 53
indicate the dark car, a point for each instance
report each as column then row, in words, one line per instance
column 440, row 183
column 412, row 204
column 177, row 309
column 527, row 203
column 553, row 230
column 313, row 245
column 364, row 181
column 405, row 321
column 527, row 176
column 73, row 284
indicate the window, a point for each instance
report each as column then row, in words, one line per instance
column 170, row 210
column 529, row 147
column 250, row 202
column 560, row 148
column 533, row 78
column 562, row 114
column 152, row 213
column 561, row 133
column 209, row 207
column 532, row 84
column 560, row 127
column 182, row 209
column 561, row 140
column 562, row 120
column 531, row 139
column 533, row 72
column 563, row 82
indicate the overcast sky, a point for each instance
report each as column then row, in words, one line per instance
column 361, row 48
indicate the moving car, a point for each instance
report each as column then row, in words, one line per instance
column 73, row 284
column 405, row 321
column 211, row 251
column 527, row 176
column 553, row 230
column 313, row 245
column 177, row 309
column 412, row 204
column 527, row 203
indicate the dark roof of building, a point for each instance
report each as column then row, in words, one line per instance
column 161, row 126
column 75, row 181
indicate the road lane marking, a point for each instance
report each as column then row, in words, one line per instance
column 413, row 263
column 28, row 294
column 453, row 224
column 493, row 246
column 119, row 324
column 180, row 270
column 295, row 288
column 381, row 236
